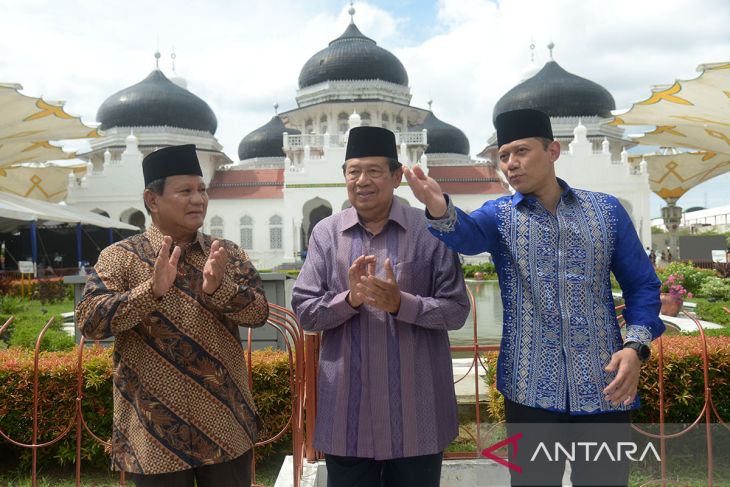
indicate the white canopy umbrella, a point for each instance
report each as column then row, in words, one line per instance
column 689, row 115
column 28, row 128
column 24, row 210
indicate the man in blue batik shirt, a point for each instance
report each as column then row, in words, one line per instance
column 563, row 360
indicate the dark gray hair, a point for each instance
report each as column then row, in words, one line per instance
column 158, row 187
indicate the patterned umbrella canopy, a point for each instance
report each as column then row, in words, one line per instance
column 672, row 175
column 28, row 125
column 690, row 114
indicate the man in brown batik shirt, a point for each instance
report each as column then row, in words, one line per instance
column 174, row 298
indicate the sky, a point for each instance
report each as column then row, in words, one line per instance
column 242, row 56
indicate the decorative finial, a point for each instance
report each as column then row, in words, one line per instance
column 430, row 102
column 157, row 59
column 173, row 56
column 352, row 13
column 276, row 108
column 551, row 46
column 532, row 50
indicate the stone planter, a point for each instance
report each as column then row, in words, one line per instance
column 670, row 305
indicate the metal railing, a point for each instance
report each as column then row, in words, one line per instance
column 283, row 321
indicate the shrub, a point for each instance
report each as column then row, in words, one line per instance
column 270, row 371
column 714, row 313
column 716, row 288
column 57, row 400
column 47, row 290
column 487, row 268
column 684, row 380
column 12, row 305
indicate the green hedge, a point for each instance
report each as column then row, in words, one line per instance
column 486, row 268
column 57, row 399
column 683, row 381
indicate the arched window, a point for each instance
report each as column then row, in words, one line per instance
column 365, row 119
column 323, row 124
column 385, row 120
column 308, row 126
column 216, row 227
column 398, row 124
column 342, row 124
column 246, row 229
column 276, row 231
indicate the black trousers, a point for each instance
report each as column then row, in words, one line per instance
column 234, row 473
column 421, row 471
column 581, row 437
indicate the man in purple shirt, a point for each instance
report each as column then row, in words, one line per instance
column 384, row 294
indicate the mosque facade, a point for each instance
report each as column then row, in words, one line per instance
column 288, row 173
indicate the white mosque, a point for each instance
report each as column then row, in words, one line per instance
column 288, row 174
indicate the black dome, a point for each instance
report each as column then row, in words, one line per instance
column 156, row 102
column 558, row 93
column 265, row 141
column 443, row 138
column 352, row 56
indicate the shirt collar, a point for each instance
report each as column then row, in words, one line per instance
column 155, row 236
column 397, row 215
column 566, row 191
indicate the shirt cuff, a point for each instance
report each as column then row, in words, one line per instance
column 140, row 303
column 638, row 333
column 340, row 306
column 223, row 294
column 408, row 311
column 447, row 223
column 142, row 298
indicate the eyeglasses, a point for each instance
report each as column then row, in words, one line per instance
column 372, row 173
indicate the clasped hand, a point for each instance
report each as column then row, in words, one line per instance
column 165, row 270
column 366, row 288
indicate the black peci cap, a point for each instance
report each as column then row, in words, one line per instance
column 171, row 161
column 522, row 124
column 371, row 142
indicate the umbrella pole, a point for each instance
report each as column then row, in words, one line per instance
column 34, row 246
column 672, row 215
column 79, row 236
column 111, row 236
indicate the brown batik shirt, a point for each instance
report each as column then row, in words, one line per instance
column 181, row 392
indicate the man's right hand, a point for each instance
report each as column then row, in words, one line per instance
column 165, row 269
column 427, row 191
column 362, row 267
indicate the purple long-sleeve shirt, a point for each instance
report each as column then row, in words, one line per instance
column 385, row 385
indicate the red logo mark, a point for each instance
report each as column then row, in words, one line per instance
column 512, row 440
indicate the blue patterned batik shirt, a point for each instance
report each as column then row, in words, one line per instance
column 560, row 327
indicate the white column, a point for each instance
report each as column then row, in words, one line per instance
column 288, row 237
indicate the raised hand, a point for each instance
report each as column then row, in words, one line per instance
column 426, row 190
column 215, row 268
column 165, row 270
column 362, row 266
column 383, row 294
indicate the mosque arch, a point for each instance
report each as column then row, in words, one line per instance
column 313, row 212
column 134, row 217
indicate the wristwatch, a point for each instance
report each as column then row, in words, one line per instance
column 643, row 351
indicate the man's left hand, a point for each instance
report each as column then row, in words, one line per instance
column 622, row 388
column 381, row 293
column 215, row 268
